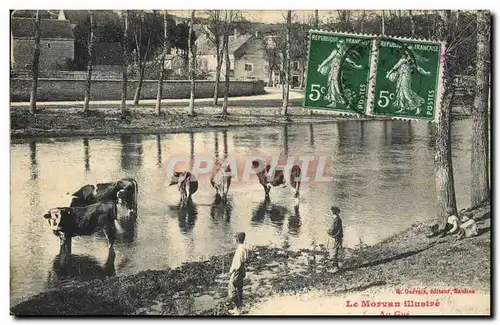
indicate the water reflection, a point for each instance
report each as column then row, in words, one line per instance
column 431, row 136
column 86, row 155
column 401, row 133
column 187, row 215
column 191, row 150
column 285, row 139
column 131, row 157
column 158, row 150
column 224, row 141
column 275, row 212
column 294, row 222
column 33, row 162
column 221, row 209
column 311, row 136
column 386, row 133
column 80, row 268
column 216, row 145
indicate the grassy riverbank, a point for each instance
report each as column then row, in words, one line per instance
column 199, row 288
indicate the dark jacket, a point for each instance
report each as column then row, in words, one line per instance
column 336, row 231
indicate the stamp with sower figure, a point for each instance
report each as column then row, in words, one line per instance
column 407, row 78
column 338, row 72
column 374, row 75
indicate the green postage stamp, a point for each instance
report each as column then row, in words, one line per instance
column 338, row 71
column 376, row 76
column 407, row 79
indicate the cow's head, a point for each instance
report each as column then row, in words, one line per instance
column 177, row 177
column 56, row 218
column 125, row 191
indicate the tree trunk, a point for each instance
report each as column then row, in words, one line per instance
column 124, row 109
column 284, row 109
column 383, row 22
column 445, row 186
column 162, row 67
column 89, row 67
column 36, row 64
column 137, row 95
column 270, row 80
column 362, row 23
column 191, row 64
column 316, row 20
column 412, row 23
column 217, row 75
column 225, row 44
column 480, row 189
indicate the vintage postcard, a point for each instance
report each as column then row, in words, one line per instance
column 240, row 163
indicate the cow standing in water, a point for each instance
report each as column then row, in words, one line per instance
column 188, row 185
column 122, row 192
column 69, row 222
column 221, row 180
column 279, row 178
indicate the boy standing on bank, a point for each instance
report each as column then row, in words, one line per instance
column 337, row 234
column 237, row 273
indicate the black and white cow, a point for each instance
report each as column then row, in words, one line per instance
column 68, row 222
column 123, row 192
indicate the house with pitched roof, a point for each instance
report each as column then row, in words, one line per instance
column 57, row 43
column 246, row 56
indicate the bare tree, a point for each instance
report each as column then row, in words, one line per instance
column 89, row 64
column 316, row 19
column 480, row 189
column 214, row 33
column 445, row 188
column 284, row 109
column 124, row 109
column 344, row 17
column 36, row 64
column 140, row 54
column 383, row 22
column 225, row 44
column 230, row 17
column 362, row 21
column 412, row 23
column 162, row 64
column 192, row 63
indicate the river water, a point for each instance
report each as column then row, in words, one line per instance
column 383, row 181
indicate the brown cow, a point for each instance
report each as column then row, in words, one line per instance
column 279, row 178
column 188, row 185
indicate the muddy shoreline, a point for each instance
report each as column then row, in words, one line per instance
column 199, row 287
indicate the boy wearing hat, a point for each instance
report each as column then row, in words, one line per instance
column 337, row 234
column 237, row 273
